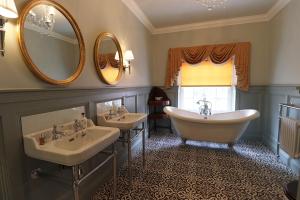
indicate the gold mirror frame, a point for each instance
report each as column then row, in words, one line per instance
column 99, row 39
column 34, row 68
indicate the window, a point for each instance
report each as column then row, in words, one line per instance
column 207, row 80
column 222, row 98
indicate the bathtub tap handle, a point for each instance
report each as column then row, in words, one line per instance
column 205, row 107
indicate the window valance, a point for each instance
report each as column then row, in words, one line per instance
column 218, row 54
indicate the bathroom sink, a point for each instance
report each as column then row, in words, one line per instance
column 71, row 150
column 124, row 122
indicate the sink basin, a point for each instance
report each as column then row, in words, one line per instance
column 124, row 122
column 74, row 149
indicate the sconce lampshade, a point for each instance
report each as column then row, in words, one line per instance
column 129, row 55
column 117, row 57
column 8, row 9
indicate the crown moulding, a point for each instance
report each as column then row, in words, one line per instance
column 137, row 11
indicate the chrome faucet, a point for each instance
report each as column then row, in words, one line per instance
column 56, row 134
column 77, row 125
column 121, row 110
column 112, row 113
column 205, row 108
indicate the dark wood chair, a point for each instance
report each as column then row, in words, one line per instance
column 290, row 190
column 156, row 107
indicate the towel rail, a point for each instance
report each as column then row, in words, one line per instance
column 281, row 106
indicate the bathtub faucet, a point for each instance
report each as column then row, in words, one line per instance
column 205, row 107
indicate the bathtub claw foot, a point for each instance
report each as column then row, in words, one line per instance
column 183, row 140
column 230, row 145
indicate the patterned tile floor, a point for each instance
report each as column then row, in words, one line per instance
column 200, row 170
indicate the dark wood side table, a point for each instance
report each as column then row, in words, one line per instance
column 156, row 113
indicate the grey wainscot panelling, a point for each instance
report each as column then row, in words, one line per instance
column 4, row 184
column 253, row 99
column 273, row 96
column 15, row 166
column 265, row 99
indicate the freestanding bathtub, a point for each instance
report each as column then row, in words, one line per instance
column 219, row 128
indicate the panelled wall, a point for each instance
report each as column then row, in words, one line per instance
column 253, row 99
column 272, row 97
column 15, row 167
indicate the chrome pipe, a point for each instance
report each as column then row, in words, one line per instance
column 129, row 159
column 114, row 171
column 143, row 141
column 76, row 173
column 75, row 170
column 95, row 169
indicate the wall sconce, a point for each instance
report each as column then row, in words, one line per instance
column 7, row 10
column 128, row 57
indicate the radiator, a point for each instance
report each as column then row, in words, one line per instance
column 290, row 137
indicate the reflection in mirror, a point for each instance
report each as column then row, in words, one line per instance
column 108, row 58
column 51, row 42
column 104, row 107
column 34, row 123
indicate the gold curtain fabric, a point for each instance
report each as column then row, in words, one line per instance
column 218, row 54
column 108, row 59
column 102, row 61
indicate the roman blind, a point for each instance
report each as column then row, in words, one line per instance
column 207, row 73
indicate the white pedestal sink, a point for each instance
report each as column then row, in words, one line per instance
column 74, row 149
column 125, row 121
column 71, row 150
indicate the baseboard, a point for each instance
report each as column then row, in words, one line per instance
column 256, row 137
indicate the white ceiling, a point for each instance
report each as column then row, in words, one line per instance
column 163, row 13
column 161, row 16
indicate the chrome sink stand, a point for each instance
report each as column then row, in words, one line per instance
column 129, row 140
column 77, row 179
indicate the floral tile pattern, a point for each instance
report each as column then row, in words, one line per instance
column 200, row 170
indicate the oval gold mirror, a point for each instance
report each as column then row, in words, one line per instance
column 108, row 58
column 51, row 42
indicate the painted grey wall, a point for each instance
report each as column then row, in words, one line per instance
column 298, row 193
column 285, row 46
column 93, row 17
column 15, row 166
column 266, row 100
column 253, row 99
column 5, row 190
column 272, row 97
column 257, row 34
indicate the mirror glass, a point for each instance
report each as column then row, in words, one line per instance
column 108, row 58
column 51, row 42
column 108, row 105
